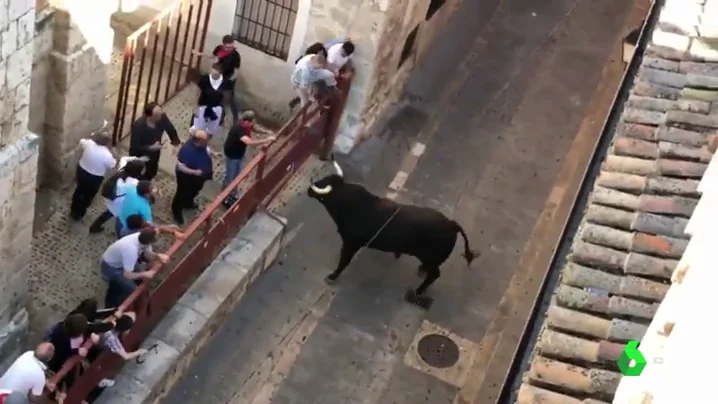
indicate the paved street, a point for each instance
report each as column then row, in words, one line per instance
column 497, row 127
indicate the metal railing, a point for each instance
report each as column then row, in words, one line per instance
column 168, row 41
column 266, row 25
column 270, row 170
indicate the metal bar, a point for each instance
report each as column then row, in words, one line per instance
column 207, row 12
column 184, row 47
column 152, row 62
column 139, row 79
column 254, row 23
column 281, row 14
column 131, row 64
column 174, row 52
column 120, row 95
column 195, row 35
column 160, row 76
column 266, row 20
column 146, row 27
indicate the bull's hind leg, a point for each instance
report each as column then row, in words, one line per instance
column 348, row 252
column 417, row 297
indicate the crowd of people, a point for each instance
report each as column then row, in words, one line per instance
column 128, row 192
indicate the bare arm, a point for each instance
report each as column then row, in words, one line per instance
column 188, row 170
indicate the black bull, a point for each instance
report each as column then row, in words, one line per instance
column 366, row 220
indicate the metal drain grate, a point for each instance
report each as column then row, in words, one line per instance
column 438, row 351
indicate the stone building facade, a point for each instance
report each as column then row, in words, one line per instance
column 52, row 87
column 390, row 36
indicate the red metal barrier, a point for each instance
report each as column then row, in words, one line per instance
column 272, row 170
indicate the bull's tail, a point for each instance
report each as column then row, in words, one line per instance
column 468, row 254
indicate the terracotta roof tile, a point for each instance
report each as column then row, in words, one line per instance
column 632, row 234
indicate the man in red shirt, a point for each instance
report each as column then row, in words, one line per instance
column 235, row 148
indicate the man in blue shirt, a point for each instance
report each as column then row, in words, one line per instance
column 138, row 201
column 194, row 167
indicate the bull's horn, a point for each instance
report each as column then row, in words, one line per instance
column 322, row 191
column 339, row 169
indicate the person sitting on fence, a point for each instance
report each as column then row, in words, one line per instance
column 24, row 381
column 194, row 168
column 119, row 266
column 212, row 90
column 235, row 148
column 339, row 57
column 128, row 174
column 309, row 70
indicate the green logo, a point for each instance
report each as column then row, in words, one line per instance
column 631, row 362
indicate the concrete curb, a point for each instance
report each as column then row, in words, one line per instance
column 198, row 314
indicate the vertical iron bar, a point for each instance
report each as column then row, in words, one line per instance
column 271, row 21
column 180, row 6
column 253, row 35
column 184, row 48
column 263, row 17
column 207, row 12
column 152, row 61
column 132, row 46
column 139, row 76
column 195, row 35
column 120, row 95
column 160, row 76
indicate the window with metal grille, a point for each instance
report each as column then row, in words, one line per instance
column 434, row 6
column 408, row 46
column 266, row 25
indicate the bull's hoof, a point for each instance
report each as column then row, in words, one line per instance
column 329, row 280
column 421, row 301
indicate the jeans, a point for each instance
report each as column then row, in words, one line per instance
column 119, row 288
column 232, row 169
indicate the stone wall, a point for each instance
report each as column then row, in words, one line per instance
column 18, row 171
column 39, row 82
column 389, row 80
column 81, row 49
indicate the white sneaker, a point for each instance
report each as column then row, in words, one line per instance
column 106, row 383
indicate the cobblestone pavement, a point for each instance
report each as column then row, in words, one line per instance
column 497, row 128
column 64, row 267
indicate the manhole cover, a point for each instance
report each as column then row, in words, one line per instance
column 438, row 351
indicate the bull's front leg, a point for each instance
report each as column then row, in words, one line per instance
column 348, row 252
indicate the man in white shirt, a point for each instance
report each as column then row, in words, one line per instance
column 96, row 161
column 120, row 268
column 338, row 55
column 27, row 375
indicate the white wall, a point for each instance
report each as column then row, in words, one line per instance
column 264, row 81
